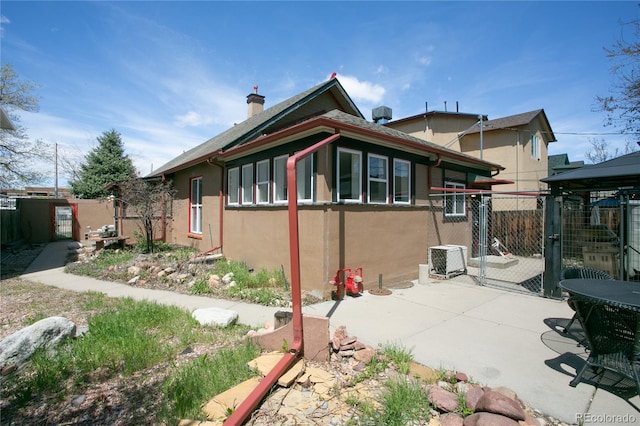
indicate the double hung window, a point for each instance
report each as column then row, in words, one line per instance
column 349, row 175
column 401, row 181
column 535, row 147
column 280, row 179
column 233, row 186
column 262, row 182
column 247, row 184
column 304, row 178
column 454, row 202
column 195, row 204
column 378, row 179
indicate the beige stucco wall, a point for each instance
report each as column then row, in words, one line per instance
column 179, row 223
column 441, row 129
column 388, row 240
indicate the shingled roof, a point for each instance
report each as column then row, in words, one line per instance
column 515, row 121
column 374, row 127
column 253, row 127
column 609, row 174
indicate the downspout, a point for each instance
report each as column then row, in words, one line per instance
column 163, row 218
column 430, row 168
column 296, row 348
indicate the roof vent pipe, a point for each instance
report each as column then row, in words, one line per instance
column 381, row 115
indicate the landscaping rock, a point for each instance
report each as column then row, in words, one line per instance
column 488, row 419
column 46, row 333
column 214, row 281
column 365, row 354
column 134, row 270
column 472, row 396
column 451, row 419
column 495, row 402
column 461, row 377
column 133, row 280
column 215, row 316
column 444, row 400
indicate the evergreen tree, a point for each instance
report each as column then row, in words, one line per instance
column 105, row 164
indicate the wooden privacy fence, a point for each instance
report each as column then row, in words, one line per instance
column 9, row 226
column 519, row 231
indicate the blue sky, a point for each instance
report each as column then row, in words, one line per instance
column 170, row 75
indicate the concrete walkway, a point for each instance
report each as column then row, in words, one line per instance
column 498, row 338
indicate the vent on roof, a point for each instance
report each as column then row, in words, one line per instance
column 381, row 114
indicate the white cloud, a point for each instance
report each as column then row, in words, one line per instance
column 424, row 60
column 192, row 118
column 362, row 90
column 3, row 20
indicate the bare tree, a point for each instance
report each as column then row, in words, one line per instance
column 601, row 151
column 623, row 104
column 149, row 202
column 18, row 153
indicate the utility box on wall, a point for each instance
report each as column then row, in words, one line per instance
column 447, row 261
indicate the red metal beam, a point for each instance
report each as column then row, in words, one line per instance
column 296, row 349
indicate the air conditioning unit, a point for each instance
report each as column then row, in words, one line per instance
column 448, row 260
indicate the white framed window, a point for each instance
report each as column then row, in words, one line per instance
column 304, row 179
column 195, row 205
column 454, row 202
column 378, row 182
column 262, row 182
column 280, row 179
column 349, row 175
column 247, row 184
column 535, row 147
column 233, row 186
column 401, row 181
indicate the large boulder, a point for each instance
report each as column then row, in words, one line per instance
column 215, row 316
column 47, row 333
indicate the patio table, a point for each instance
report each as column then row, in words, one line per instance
column 609, row 311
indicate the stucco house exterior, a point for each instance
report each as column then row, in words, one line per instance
column 518, row 142
column 363, row 195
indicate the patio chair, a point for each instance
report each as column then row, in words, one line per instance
column 581, row 272
column 613, row 335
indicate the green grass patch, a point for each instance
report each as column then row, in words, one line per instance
column 403, row 402
column 194, row 384
column 127, row 337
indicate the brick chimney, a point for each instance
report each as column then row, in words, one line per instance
column 255, row 103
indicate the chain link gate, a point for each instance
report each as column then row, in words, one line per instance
column 506, row 243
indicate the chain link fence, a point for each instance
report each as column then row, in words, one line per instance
column 504, row 248
column 601, row 230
